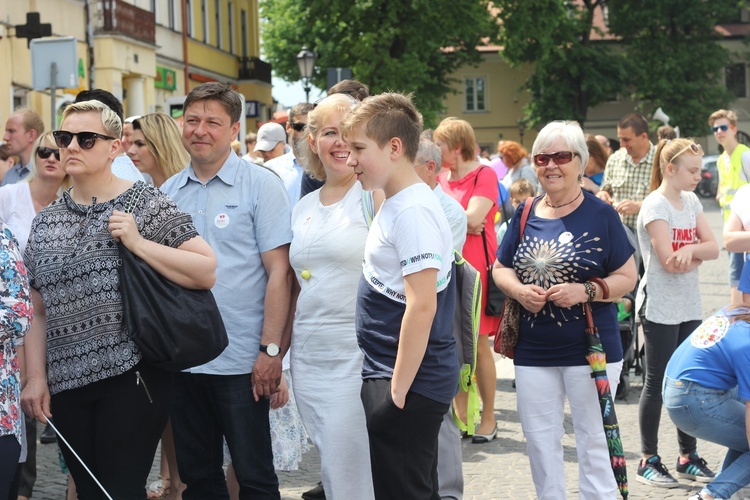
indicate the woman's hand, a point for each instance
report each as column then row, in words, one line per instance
column 682, row 258
column 567, row 295
column 35, row 399
column 123, row 229
column 532, row 298
column 279, row 399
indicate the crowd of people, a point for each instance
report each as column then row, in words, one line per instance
column 332, row 265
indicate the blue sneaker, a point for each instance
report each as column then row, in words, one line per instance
column 695, row 469
column 653, row 472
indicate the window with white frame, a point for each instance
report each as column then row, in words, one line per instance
column 217, row 8
column 230, row 18
column 204, row 16
column 475, row 92
column 189, row 29
column 170, row 15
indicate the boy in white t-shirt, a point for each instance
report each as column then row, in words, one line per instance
column 405, row 301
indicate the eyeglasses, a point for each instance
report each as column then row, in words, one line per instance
column 723, row 128
column 298, row 126
column 420, row 164
column 560, row 157
column 695, row 148
column 44, row 153
column 86, row 140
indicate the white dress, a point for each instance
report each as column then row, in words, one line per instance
column 329, row 243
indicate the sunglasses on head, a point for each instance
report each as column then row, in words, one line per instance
column 695, row 148
column 86, row 140
column 723, row 128
column 560, row 158
column 298, row 126
column 45, row 152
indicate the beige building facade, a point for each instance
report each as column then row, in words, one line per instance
column 148, row 53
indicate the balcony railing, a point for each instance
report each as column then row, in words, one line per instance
column 117, row 16
column 252, row 68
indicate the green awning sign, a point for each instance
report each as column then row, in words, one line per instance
column 165, row 79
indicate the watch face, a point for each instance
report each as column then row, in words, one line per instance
column 272, row 350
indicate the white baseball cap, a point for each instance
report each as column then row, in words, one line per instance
column 269, row 136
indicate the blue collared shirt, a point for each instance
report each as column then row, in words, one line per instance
column 16, row 173
column 242, row 212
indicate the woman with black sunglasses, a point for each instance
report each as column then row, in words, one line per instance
column 571, row 241
column 20, row 202
column 84, row 373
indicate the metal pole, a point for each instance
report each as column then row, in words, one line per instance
column 53, row 94
column 307, row 90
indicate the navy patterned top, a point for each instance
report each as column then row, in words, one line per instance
column 72, row 261
column 590, row 241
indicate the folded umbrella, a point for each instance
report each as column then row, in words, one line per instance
column 598, row 361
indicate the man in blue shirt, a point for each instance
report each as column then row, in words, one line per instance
column 21, row 132
column 242, row 211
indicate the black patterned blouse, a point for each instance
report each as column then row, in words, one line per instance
column 72, row 261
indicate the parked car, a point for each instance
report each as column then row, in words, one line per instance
column 709, row 183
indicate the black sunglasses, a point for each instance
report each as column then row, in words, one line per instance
column 723, row 128
column 560, row 157
column 86, row 140
column 298, row 126
column 45, row 152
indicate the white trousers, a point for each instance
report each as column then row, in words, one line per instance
column 541, row 393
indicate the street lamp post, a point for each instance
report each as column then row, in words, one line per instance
column 306, row 62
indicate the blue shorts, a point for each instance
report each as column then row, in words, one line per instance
column 740, row 270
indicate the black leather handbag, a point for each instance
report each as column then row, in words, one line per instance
column 174, row 327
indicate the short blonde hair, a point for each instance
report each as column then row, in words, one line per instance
column 334, row 103
column 457, row 133
column 110, row 121
column 164, row 142
column 730, row 115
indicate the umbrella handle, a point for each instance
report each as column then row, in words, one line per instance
column 603, row 284
column 589, row 316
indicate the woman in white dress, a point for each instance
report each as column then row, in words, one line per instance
column 330, row 227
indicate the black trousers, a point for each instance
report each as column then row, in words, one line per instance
column 660, row 342
column 114, row 425
column 403, row 442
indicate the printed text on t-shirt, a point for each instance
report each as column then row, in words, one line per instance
column 682, row 236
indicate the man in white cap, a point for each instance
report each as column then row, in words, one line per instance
column 271, row 141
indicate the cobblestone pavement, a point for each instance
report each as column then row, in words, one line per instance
column 500, row 469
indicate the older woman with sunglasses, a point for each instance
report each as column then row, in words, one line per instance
column 570, row 237
column 84, row 372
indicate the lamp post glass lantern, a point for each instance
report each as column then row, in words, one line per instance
column 306, row 62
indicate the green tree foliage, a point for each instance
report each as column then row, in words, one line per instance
column 570, row 72
column 674, row 56
column 407, row 46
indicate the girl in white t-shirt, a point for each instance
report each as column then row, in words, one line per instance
column 675, row 239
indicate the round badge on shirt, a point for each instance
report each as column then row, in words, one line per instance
column 221, row 221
